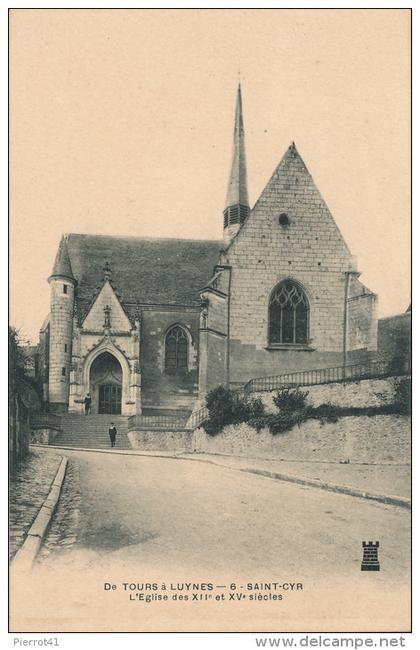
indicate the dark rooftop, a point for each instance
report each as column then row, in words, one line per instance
column 148, row 271
column 62, row 265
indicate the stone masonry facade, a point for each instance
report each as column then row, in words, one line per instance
column 60, row 343
column 309, row 250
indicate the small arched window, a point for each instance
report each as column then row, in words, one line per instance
column 176, row 349
column 288, row 314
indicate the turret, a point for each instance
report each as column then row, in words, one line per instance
column 237, row 204
column 62, row 284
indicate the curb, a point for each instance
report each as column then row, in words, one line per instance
column 401, row 502
column 114, row 452
column 27, row 553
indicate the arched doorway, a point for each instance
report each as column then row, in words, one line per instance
column 106, row 384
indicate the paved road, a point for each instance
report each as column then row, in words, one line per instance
column 146, row 519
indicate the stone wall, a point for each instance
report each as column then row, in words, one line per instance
column 44, row 357
column 362, row 320
column 213, row 335
column 156, row 440
column 363, row 393
column 212, row 360
column 60, row 344
column 44, row 436
column 161, row 387
column 381, row 439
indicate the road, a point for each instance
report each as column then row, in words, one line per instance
column 153, row 520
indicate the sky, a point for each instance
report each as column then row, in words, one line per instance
column 121, row 123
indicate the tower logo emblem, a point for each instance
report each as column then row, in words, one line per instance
column 370, row 560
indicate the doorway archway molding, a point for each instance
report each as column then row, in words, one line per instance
column 107, row 345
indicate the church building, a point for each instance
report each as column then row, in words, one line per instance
column 149, row 325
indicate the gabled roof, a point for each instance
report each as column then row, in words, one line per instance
column 143, row 270
column 107, row 298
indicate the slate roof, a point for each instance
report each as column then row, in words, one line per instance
column 62, row 265
column 148, row 271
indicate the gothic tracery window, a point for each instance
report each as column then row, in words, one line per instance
column 176, row 349
column 288, row 314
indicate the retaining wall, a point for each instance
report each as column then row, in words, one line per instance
column 155, row 440
column 44, row 436
column 380, row 439
column 363, row 393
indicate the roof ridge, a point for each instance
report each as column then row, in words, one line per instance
column 138, row 238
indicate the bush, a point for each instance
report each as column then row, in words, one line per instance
column 226, row 406
column 325, row 413
column 291, row 403
column 260, row 422
column 285, row 420
column 292, row 406
column 290, row 399
column 229, row 407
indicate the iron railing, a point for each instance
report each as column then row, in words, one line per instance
column 173, row 422
column 136, row 422
column 325, row 376
column 45, row 421
column 197, row 417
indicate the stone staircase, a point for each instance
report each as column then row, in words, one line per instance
column 91, row 431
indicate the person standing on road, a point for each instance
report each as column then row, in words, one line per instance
column 112, row 434
column 88, row 403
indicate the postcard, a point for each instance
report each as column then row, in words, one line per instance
column 210, row 320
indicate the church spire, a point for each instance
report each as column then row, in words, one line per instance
column 237, row 204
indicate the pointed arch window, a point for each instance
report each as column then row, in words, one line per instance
column 288, row 315
column 176, row 349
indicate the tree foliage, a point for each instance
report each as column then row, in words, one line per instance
column 402, row 395
column 17, row 361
